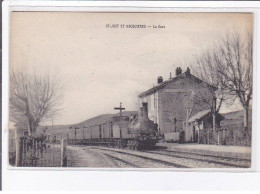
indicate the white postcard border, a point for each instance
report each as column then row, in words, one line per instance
column 48, row 177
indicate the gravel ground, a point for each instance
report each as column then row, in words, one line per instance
column 79, row 156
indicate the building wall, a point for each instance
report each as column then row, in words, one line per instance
column 171, row 105
column 178, row 97
column 152, row 104
column 173, row 100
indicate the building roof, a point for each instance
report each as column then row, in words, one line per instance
column 199, row 115
column 183, row 75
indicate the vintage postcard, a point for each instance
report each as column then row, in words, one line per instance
column 131, row 90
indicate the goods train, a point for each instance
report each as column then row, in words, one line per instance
column 135, row 132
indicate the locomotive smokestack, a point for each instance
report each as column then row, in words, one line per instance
column 160, row 79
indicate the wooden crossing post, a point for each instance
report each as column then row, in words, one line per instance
column 120, row 113
column 63, row 152
column 120, row 108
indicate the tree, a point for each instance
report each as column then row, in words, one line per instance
column 204, row 67
column 228, row 65
column 34, row 98
column 234, row 62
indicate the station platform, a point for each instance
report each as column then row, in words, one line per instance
column 218, row 150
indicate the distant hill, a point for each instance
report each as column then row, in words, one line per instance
column 90, row 122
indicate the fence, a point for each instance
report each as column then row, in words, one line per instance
column 238, row 137
column 207, row 136
column 37, row 152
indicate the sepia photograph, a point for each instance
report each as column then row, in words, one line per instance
column 128, row 90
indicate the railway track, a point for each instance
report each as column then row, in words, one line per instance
column 208, row 160
column 125, row 162
column 208, row 155
column 155, row 160
column 204, row 158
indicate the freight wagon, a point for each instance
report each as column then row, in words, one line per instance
column 134, row 132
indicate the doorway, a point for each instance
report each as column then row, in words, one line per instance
column 195, row 134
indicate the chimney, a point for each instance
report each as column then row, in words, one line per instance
column 178, row 71
column 188, row 71
column 160, row 79
column 170, row 75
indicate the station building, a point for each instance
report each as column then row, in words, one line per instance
column 177, row 104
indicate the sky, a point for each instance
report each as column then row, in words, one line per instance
column 101, row 67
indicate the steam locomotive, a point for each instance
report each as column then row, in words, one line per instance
column 134, row 132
